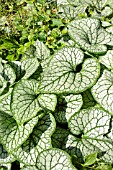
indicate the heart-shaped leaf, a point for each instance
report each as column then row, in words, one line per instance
column 89, row 34
column 103, row 91
column 12, row 135
column 63, row 74
column 90, row 127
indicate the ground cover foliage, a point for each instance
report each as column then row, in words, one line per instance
column 56, row 85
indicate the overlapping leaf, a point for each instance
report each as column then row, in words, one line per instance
column 103, row 91
column 89, row 34
column 67, row 106
column 54, row 159
column 62, row 75
column 38, row 141
column 91, row 126
column 107, row 59
column 12, row 135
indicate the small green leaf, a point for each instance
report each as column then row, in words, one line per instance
column 90, row 159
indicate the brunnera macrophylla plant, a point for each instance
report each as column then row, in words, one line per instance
column 57, row 107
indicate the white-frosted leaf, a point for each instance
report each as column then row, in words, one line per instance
column 8, row 73
column 3, row 84
column 89, row 34
column 67, row 106
column 47, row 101
column 42, row 52
column 38, row 141
column 58, row 137
column 63, row 76
column 107, row 59
column 54, row 159
column 70, row 12
column 25, row 103
column 88, row 100
column 5, row 101
column 4, row 156
column 29, row 66
column 12, row 135
column 91, row 125
column 103, row 91
column 60, row 2
column 106, row 11
column 99, row 4
column 110, row 29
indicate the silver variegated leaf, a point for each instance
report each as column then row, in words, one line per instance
column 91, row 126
column 42, row 52
column 89, row 34
column 5, row 101
column 54, row 159
column 48, row 101
column 107, row 59
column 29, row 66
column 3, row 84
column 103, row 91
column 12, row 135
column 25, row 103
column 38, row 141
column 63, row 76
